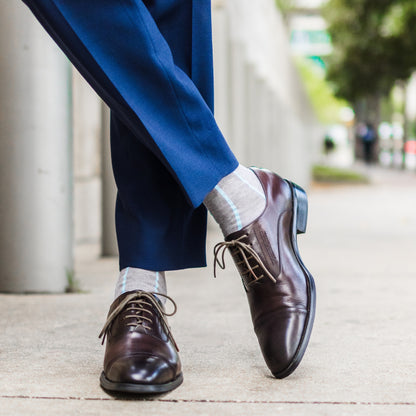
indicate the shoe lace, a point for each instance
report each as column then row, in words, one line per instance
column 244, row 252
column 135, row 305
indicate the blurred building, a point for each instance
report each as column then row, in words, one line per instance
column 308, row 35
column 56, row 187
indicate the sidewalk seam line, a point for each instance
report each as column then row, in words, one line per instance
column 351, row 403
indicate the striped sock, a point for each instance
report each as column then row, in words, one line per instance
column 132, row 278
column 237, row 200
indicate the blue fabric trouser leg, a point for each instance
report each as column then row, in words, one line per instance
column 150, row 61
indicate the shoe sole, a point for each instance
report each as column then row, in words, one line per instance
column 135, row 388
column 299, row 221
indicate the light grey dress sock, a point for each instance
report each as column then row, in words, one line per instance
column 132, row 278
column 237, row 200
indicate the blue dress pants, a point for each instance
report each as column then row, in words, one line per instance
column 151, row 62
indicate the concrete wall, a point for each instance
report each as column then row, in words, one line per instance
column 261, row 104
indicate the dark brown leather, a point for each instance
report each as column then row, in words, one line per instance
column 282, row 311
column 140, row 356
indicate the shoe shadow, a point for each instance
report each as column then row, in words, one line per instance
column 146, row 397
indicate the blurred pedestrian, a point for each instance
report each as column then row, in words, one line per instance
column 368, row 139
column 329, row 144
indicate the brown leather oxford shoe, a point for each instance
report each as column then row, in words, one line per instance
column 280, row 290
column 141, row 355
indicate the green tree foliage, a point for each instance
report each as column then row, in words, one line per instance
column 374, row 45
column 285, row 5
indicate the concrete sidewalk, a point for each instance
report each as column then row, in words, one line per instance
column 361, row 248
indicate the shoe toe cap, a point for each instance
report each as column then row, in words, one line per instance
column 140, row 369
column 280, row 338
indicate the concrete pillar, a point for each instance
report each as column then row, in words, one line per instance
column 221, row 35
column 263, row 123
column 283, row 137
column 87, row 170
column 35, row 157
column 270, row 129
column 251, row 115
column 238, row 99
column 276, row 136
column 109, row 190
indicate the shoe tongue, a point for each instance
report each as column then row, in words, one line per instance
column 140, row 329
column 135, row 315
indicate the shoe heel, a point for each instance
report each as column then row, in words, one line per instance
column 301, row 208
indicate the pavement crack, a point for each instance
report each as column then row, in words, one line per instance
column 215, row 401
